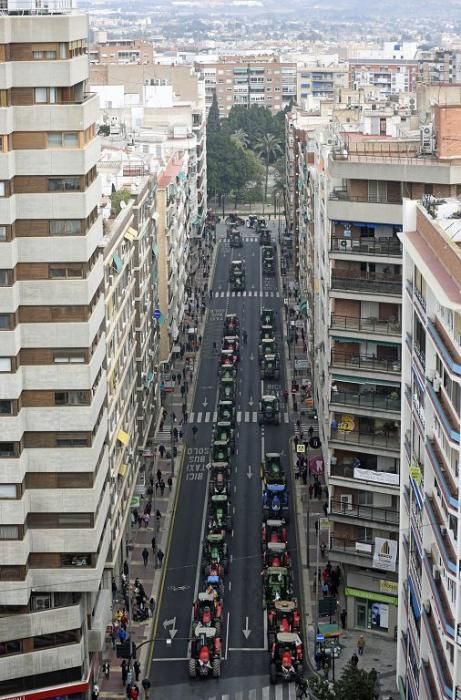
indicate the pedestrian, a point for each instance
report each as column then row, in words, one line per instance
column 326, row 492
column 170, row 483
column 129, row 677
column 325, row 508
column 311, row 490
column 323, row 548
column 152, row 606
column 162, row 487
column 296, row 440
column 134, row 692
column 145, row 555
column 316, row 527
column 297, row 473
column 343, row 617
column 148, row 508
column 311, row 431
column 158, row 515
column 175, row 434
column 124, row 672
column 114, row 587
column 161, row 449
column 194, row 432
column 354, row 660
column 122, row 635
column 305, row 477
column 160, row 556
column 360, row 645
column 136, row 669
column 125, row 568
column 113, row 636
column 95, row 692
column 153, row 544
column 183, row 372
column 106, row 669
column 146, row 518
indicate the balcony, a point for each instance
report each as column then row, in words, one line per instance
column 443, row 473
column 384, row 247
column 438, row 654
column 366, row 325
column 379, row 439
column 365, row 475
column 377, row 402
column 371, row 283
column 369, row 209
column 443, row 412
column 446, row 350
column 441, row 535
column 428, row 679
column 444, row 608
column 355, row 552
column 362, row 512
column 363, row 362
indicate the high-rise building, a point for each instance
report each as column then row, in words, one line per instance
column 54, row 490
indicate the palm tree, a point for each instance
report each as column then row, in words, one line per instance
column 268, row 148
column 240, row 138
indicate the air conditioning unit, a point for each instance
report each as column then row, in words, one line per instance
column 426, row 139
column 346, row 501
column 427, row 607
column 437, row 383
column 436, row 573
column 443, row 530
column 345, row 243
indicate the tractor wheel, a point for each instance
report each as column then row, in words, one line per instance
column 217, row 625
column 270, row 639
column 229, row 523
column 300, row 670
column 192, row 668
column 273, row 674
column 225, row 565
column 216, row 670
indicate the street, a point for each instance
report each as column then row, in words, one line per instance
column 245, row 669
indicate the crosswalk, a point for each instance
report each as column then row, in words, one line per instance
column 281, row 691
column 247, row 293
column 241, row 417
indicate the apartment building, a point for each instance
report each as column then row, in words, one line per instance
column 391, row 75
column 55, row 492
column 439, row 65
column 247, row 80
column 122, row 51
column 356, row 188
column 318, row 81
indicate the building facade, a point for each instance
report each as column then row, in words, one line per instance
column 55, row 492
column 391, row 76
column 122, row 51
column 320, row 82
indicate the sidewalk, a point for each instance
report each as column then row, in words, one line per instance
column 151, row 576
column 379, row 651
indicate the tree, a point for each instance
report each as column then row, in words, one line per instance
column 353, row 684
column 213, row 123
column 268, row 148
column 240, row 138
column 116, row 199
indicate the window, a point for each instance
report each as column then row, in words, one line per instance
column 65, row 272
column 8, row 490
column 2, row 189
column 3, row 234
column 6, row 409
column 7, row 449
column 5, row 364
column 63, row 139
column 63, row 184
column 65, row 227
column 71, row 398
column 5, row 278
column 41, row 95
column 9, row 532
column 13, row 647
column 46, row 641
column 4, row 322
column 69, row 357
column 62, row 51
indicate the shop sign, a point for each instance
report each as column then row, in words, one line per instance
column 385, row 554
column 416, row 474
column 391, row 587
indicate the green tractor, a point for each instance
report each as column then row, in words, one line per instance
column 267, row 346
column 219, row 478
column 226, row 412
column 227, row 390
column 267, row 317
column 221, row 451
column 219, row 513
column 266, row 332
column 277, row 585
column 224, row 432
column 215, row 561
column 261, row 224
column 272, row 470
column 270, row 367
column 265, row 237
column 227, row 372
column 269, row 267
column 237, row 275
column 235, row 238
column 269, row 410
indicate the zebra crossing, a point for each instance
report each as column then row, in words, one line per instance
column 249, row 293
column 282, row 691
column 241, row 417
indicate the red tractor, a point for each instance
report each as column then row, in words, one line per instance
column 208, row 610
column 206, row 648
column 282, row 616
column 274, row 530
column 231, row 324
column 276, row 554
column 286, row 661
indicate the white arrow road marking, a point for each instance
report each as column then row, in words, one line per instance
column 171, row 623
column 250, row 401
column 205, row 402
column 246, row 631
column 249, row 472
column 252, row 357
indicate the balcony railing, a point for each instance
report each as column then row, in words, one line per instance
column 352, row 437
column 364, row 473
column 366, row 325
column 377, row 283
column 362, row 512
column 438, row 653
column 428, row 679
column 441, row 536
column 443, row 607
column 365, row 362
column 444, row 476
column 343, row 194
column 355, row 548
column 371, row 400
column 391, row 247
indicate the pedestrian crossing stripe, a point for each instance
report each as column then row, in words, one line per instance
column 241, row 417
column 281, row 691
column 247, row 293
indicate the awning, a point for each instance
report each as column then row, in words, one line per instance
column 122, row 470
column 155, row 249
column 362, row 380
column 123, row 437
column 371, row 595
column 135, row 502
column 117, row 262
column 131, row 234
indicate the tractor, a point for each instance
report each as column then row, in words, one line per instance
column 226, row 411
column 282, row 616
column 270, row 367
column 251, row 221
column 276, row 554
column 274, row 530
column 206, row 649
column 227, row 359
column 267, row 317
column 227, row 390
column 265, row 237
column 277, row 585
column 275, row 502
column 269, row 410
column 220, row 451
column 286, row 661
column 266, row 332
column 235, row 238
column 271, row 469
column 232, row 343
column 219, row 512
column 224, row 432
column 227, row 372
column 234, row 219
column 237, row 275
column 269, row 267
column 214, row 556
column 231, row 324
column 260, row 223
column 207, row 610
column 219, row 478
column 267, row 346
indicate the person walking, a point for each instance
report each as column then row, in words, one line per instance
column 95, row 692
column 152, row 606
column 146, row 518
column 106, row 669
column 194, row 432
column 343, row 618
column 360, row 645
column 325, row 508
column 145, row 555
column 160, row 556
column 124, row 667
column 162, row 487
column 354, row 660
column 170, row 483
column 158, row 515
column 311, row 490
column 136, row 669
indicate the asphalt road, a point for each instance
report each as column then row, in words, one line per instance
column 246, row 663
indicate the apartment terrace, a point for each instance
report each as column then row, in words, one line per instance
column 384, row 247
column 366, row 325
column 353, row 280
column 371, row 514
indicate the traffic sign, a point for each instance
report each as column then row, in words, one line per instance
column 300, row 447
column 157, row 313
column 320, row 638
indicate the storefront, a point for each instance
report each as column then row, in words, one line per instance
column 70, row 691
column 373, row 610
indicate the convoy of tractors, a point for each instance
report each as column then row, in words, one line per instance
column 284, row 635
